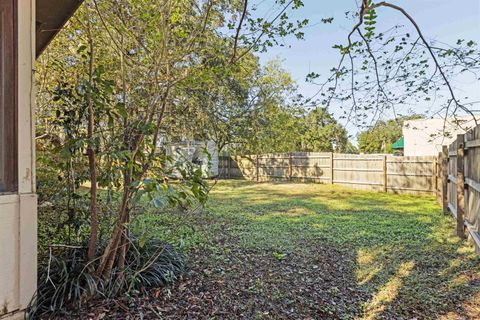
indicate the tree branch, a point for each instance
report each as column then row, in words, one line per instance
column 239, row 28
column 425, row 42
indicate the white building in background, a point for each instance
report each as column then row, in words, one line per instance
column 196, row 152
column 425, row 137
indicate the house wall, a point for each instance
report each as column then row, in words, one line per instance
column 425, row 137
column 18, row 211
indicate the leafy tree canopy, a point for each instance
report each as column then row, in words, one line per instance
column 380, row 137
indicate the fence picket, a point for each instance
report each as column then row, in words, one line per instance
column 460, row 185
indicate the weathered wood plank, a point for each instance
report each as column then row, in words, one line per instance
column 408, row 174
column 410, row 161
column 385, row 174
column 461, row 185
column 359, row 159
column 311, row 177
column 309, row 166
column 474, row 235
column 310, row 157
column 358, row 169
column 332, row 167
column 472, row 144
column 473, row 184
column 444, row 174
column 358, row 182
column 410, row 189
column 452, row 179
column 453, row 210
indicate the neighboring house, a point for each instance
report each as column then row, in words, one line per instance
column 425, row 137
column 26, row 28
column 194, row 152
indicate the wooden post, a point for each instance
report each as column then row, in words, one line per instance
column 290, row 160
column 256, row 167
column 444, row 175
column 434, row 178
column 460, row 185
column 385, row 174
column 331, row 168
column 438, row 193
column 229, row 164
column 221, row 167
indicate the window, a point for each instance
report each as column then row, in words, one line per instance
column 8, row 99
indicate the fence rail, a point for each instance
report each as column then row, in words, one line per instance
column 461, row 161
column 372, row 172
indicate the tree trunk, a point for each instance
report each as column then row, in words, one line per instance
column 110, row 252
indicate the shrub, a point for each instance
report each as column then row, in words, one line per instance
column 66, row 282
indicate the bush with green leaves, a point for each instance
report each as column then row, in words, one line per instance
column 67, row 283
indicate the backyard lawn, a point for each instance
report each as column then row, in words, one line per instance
column 309, row 251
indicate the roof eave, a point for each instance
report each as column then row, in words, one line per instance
column 51, row 17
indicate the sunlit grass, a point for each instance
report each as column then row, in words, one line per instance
column 407, row 254
column 388, row 291
column 368, row 264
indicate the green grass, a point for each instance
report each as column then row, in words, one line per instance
column 400, row 249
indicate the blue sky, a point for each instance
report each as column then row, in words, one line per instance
column 441, row 20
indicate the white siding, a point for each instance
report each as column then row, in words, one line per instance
column 426, row 137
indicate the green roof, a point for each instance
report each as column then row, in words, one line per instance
column 399, row 144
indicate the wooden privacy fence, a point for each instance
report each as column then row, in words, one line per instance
column 461, row 183
column 370, row 172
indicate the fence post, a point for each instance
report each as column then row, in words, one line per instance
column 460, row 185
column 256, row 167
column 438, row 171
column 223, row 167
column 434, row 177
column 385, row 174
column 331, row 167
column 229, row 164
column 444, row 192
column 439, row 178
column 290, row 160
